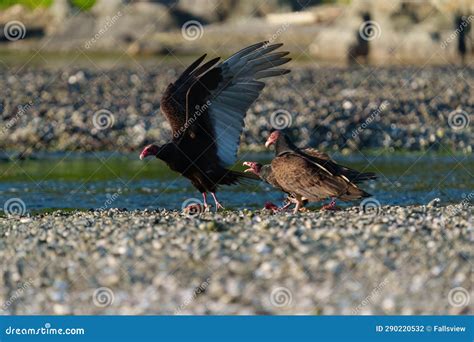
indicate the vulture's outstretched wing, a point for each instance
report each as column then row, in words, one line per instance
column 173, row 101
column 218, row 101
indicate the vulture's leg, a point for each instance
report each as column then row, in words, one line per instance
column 218, row 205
column 297, row 207
column 331, row 205
column 274, row 208
column 204, row 201
column 299, row 203
column 287, row 204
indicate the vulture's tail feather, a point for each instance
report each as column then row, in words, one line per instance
column 234, row 177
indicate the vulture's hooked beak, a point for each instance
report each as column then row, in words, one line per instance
column 269, row 142
column 254, row 167
column 145, row 153
column 150, row 150
column 250, row 165
column 273, row 137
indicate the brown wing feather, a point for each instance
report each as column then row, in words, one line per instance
column 301, row 177
column 173, row 101
column 352, row 175
column 267, row 175
column 316, row 153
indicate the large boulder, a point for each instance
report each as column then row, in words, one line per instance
column 218, row 10
column 111, row 26
column 400, row 31
column 18, row 24
column 132, row 23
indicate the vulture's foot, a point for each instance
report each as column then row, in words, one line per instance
column 331, row 206
column 218, row 205
column 287, row 204
column 276, row 209
column 271, row 206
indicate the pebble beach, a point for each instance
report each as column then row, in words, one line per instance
column 385, row 260
column 334, row 109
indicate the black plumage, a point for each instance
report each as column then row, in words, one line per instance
column 206, row 107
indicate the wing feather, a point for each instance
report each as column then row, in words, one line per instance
column 231, row 87
column 173, row 101
column 302, row 177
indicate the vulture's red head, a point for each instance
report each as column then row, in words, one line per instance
column 254, row 167
column 273, row 137
column 150, row 150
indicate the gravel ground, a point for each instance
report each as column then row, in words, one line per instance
column 331, row 108
column 394, row 260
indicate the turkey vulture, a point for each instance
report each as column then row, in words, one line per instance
column 312, row 175
column 264, row 172
column 206, row 107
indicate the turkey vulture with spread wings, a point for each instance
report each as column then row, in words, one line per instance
column 206, row 107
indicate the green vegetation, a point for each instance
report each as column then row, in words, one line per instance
column 26, row 3
column 90, row 169
column 84, row 5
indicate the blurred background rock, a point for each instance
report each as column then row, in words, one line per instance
column 405, row 31
column 63, row 61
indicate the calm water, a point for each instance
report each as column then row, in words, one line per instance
column 85, row 181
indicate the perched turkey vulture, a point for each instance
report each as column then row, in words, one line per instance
column 312, row 175
column 265, row 173
column 206, row 107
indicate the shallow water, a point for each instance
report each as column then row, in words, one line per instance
column 112, row 180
